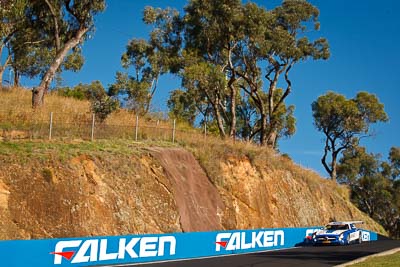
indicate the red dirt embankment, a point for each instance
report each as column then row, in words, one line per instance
column 50, row 191
column 198, row 201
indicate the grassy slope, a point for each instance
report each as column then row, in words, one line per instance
column 381, row 261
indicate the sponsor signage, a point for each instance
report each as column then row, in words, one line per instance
column 97, row 250
column 131, row 249
column 245, row 240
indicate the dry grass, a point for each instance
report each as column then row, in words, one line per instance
column 16, row 102
column 72, row 119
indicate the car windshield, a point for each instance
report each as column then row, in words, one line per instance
column 337, row 227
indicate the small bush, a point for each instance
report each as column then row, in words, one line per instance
column 104, row 106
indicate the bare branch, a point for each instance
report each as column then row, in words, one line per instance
column 288, row 88
column 323, row 160
column 56, row 27
column 34, row 42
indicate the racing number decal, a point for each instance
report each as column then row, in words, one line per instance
column 366, row 236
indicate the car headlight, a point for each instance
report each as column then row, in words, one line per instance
column 341, row 237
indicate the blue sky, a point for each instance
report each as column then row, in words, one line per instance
column 364, row 40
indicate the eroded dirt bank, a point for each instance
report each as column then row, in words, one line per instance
column 155, row 190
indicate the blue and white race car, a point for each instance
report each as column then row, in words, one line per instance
column 338, row 233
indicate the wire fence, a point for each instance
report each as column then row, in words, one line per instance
column 70, row 126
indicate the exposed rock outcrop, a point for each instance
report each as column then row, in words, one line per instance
column 156, row 190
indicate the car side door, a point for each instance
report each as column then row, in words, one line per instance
column 354, row 233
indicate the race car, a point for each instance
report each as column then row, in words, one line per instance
column 338, row 233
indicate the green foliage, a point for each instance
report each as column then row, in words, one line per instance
column 74, row 61
column 372, row 186
column 102, row 104
column 223, row 50
column 48, row 26
column 284, row 116
column 137, row 91
column 11, row 17
column 182, row 106
column 92, row 91
column 148, row 59
column 47, row 39
column 343, row 121
column 394, row 158
column 11, row 14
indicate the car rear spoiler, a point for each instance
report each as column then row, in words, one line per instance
column 346, row 222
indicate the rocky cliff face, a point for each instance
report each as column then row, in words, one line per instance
column 262, row 197
column 156, row 190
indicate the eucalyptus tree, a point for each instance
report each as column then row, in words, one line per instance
column 228, row 50
column 146, row 60
column 248, row 43
column 343, row 122
column 51, row 39
column 373, row 185
column 213, row 29
column 11, row 15
column 276, row 39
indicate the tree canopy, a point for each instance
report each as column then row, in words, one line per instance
column 46, row 37
column 11, row 21
column 374, row 184
column 343, row 122
column 231, row 55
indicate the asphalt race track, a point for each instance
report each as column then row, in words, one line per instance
column 302, row 256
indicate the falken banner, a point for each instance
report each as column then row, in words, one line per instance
column 131, row 249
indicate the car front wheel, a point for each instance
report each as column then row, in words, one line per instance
column 348, row 240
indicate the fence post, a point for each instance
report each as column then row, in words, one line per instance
column 173, row 132
column 136, row 128
column 51, row 125
column 92, row 132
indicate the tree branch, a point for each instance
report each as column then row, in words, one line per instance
column 288, row 88
column 56, row 27
column 72, row 12
column 323, row 159
column 34, row 42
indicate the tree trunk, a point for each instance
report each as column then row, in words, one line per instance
column 1, row 76
column 39, row 91
column 219, row 121
column 16, row 78
column 263, row 127
column 3, row 68
column 233, row 112
column 271, row 138
column 334, row 166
